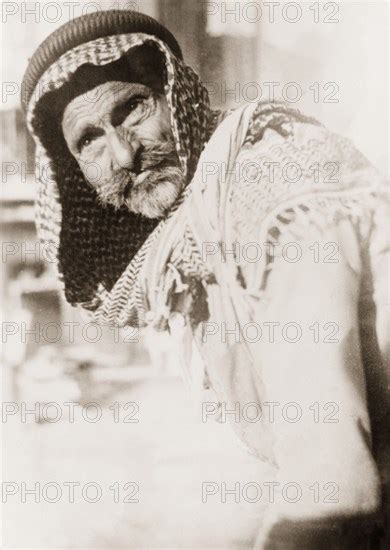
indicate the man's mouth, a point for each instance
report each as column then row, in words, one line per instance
column 127, row 190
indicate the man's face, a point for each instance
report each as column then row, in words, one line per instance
column 121, row 137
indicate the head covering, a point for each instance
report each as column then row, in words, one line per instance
column 84, row 29
column 95, row 243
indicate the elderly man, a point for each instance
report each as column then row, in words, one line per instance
column 254, row 234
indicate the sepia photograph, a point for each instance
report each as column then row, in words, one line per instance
column 195, row 217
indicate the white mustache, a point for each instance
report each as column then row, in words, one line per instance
column 152, row 157
column 150, row 190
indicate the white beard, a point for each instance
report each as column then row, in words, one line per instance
column 155, row 192
column 152, row 193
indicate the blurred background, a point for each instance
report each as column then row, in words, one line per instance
column 328, row 59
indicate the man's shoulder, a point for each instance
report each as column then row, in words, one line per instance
column 280, row 118
column 293, row 152
column 293, row 130
column 290, row 161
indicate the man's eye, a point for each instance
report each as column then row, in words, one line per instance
column 85, row 141
column 123, row 111
column 133, row 104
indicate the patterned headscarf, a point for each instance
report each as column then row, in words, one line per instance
column 95, row 243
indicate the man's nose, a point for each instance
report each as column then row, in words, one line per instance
column 123, row 151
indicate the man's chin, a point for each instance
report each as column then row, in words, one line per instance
column 153, row 195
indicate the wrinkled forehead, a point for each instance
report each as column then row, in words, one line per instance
column 102, row 100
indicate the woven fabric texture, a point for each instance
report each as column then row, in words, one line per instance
column 89, row 27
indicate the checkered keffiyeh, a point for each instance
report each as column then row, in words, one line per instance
column 96, row 244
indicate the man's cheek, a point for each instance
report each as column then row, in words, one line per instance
column 95, row 169
column 153, row 129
